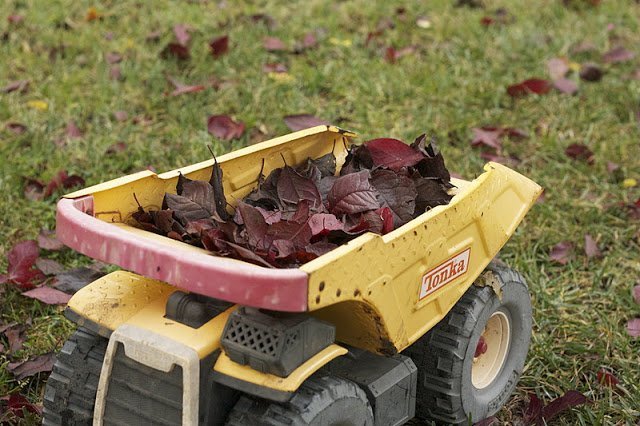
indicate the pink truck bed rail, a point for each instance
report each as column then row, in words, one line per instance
column 198, row 272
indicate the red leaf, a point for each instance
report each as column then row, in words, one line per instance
column 293, row 188
column 115, row 73
column 309, row 41
column 303, row 121
column 392, row 55
column 533, row 411
column 17, row 403
column 590, row 72
column 557, row 68
column 607, row 378
column 176, row 50
column 72, row 131
column 392, row 153
column 487, row 20
column 19, row 85
column 48, row 295
column 566, row 86
column 633, row 327
column 386, row 215
column 113, row 57
column 33, row 189
column 562, row 252
column 224, row 127
column 532, row 85
column 219, row 46
column 396, row 192
column 618, row 54
column 47, row 240
column 121, row 115
column 273, row 44
column 181, row 32
column 15, row 337
column 323, row 223
column 274, row 67
column 579, row 151
column 38, row 364
column 255, row 225
column 352, row 193
column 183, row 88
column 21, row 269
column 591, row 247
column 116, row 148
column 487, row 136
column 570, row 399
column 636, row 293
column 16, row 128
column 15, row 19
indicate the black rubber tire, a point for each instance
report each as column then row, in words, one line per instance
column 71, row 388
column 321, row 400
column 444, row 356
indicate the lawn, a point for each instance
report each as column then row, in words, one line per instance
column 451, row 80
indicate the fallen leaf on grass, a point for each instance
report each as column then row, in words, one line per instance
column 533, row 85
column 219, row 46
column 591, row 72
column 633, row 327
column 636, row 293
column 177, row 51
column 303, row 121
column 116, row 148
column 578, row 151
column 591, row 247
column 273, row 44
column 47, row 240
column 491, row 136
column 17, row 404
column 274, row 67
column 16, row 128
column 113, row 58
column 115, row 73
column 18, row 85
column 392, row 54
column 120, row 115
column 224, row 127
column 74, row 279
column 180, row 88
column 607, row 378
column 309, row 41
column 39, row 364
column 15, row 337
column 562, row 252
column 617, row 54
column 49, row 266
column 499, row 16
column 21, row 268
column 509, row 161
column 72, row 131
column 570, row 399
column 557, row 68
column 181, row 31
column 48, row 295
column 566, row 86
column 15, row 19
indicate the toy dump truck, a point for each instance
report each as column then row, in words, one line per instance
column 419, row 322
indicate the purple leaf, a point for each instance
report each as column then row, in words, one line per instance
column 39, row 364
column 293, row 188
column 392, row 153
column 21, row 268
column 566, row 86
column 570, row 399
column 224, row 127
column 607, row 378
column 273, row 44
column 527, row 87
column 219, row 46
column 184, row 209
column 636, row 293
column 489, row 137
column 181, row 88
column 591, row 72
column 557, row 68
column 396, row 192
column 47, row 240
column 579, row 151
column 48, row 295
column 633, row 327
column 303, row 121
column 617, row 54
column 352, row 193
column 562, row 252
column 181, row 32
column 591, row 247
column 255, row 225
column 323, row 223
column 276, row 67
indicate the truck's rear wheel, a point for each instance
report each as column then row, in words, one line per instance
column 321, row 400
column 71, row 388
column 469, row 364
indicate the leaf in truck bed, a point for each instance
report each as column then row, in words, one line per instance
column 352, row 193
column 293, row 188
column 201, row 193
column 432, row 164
column 185, row 210
column 323, row 223
column 392, row 153
column 254, row 223
column 430, row 193
column 396, row 192
column 218, row 190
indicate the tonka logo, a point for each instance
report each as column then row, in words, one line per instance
column 444, row 273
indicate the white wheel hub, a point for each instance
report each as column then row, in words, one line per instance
column 491, row 351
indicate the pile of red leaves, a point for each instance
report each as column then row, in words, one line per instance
column 297, row 214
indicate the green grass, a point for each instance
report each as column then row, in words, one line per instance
column 455, row 81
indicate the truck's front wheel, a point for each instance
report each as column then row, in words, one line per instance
column 321, row 400
column 71, row 389
column 470, row 362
